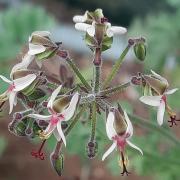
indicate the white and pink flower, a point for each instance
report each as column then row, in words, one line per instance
column 119, row 141
column 55, row 119
column 159, row 101
column 15, row 86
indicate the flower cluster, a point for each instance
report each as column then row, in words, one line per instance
column 53, row 108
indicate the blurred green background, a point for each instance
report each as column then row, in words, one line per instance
column 158, row 22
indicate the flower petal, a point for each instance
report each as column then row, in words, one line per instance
column 12, row 96
column 110, row 125
column 134, row 146
column 49, row 130
column 129, row 125
column 22, row 83
column 82, row 26
column 161, row 111
column 171, row 91
column 53, row 96
column 79, row 18
column 109, row 151
column 117, row 30
column 151, row 100
column 27, row 59
column 56, row 134
column 40, row 117
column 91, row 30
column 69, row 111
column 5, row 79
column 59, row 128
column 159, row 77
column 35, row 49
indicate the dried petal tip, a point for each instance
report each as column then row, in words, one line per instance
column 57, row 162
column 123, row 162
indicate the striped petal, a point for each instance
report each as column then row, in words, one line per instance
column 69, row 111
column 110, row 125
column 35, row 49
column 61, row 134
column 22, row 83
column 12, row 99
column 161, row 111
column 129, row 125
column 171, row 91
column 53, row 97
column 109, row 151
column 5, row 79
column 40, row 117
column 134, row 146
column 151, row 100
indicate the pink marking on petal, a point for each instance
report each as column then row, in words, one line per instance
column 121, row 141
column 54, row 119
column 11, row 87
column 164, row 98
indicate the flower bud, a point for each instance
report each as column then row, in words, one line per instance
column 41, row 45
column 92, row 149
column 157, row 85
column 140, row 51
column 57, row 162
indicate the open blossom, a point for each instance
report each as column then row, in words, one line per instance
column 160, row 100
column 110, row 30
column 119, row 140
column 15, row 86
column 55, row 118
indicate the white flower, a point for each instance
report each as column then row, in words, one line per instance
column 15, row 86
column 119, row 141
column 158, row 101
column 110, row 30
column 55, row 118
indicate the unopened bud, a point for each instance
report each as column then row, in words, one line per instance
column 57, row 162
column 92, row 149
column 140, row 51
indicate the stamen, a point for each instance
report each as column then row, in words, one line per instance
column 39, row 154
column 124, row 162
column 173, row 121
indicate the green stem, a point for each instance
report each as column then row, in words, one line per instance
column 93, row 121
column 78, row 73
column 97, row 79
column 116, row 67
column 116, row 89
column 150, row 125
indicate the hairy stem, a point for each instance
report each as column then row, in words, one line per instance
column 116, row 67
column 93, row 121
column 78, row 73
column 97, row 79
column 116, row 89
